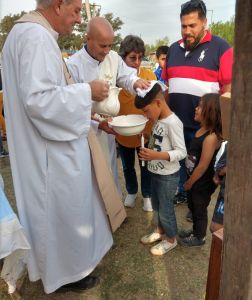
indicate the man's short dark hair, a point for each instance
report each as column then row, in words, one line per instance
column 193, row 6
column 149, row 97
column 162, row 50
column 131, row 43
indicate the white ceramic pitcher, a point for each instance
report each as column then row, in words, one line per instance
column 109, row 106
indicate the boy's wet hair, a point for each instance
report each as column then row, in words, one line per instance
column 149, row 97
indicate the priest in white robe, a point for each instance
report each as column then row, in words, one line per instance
column 96, row 60
column 58, row 201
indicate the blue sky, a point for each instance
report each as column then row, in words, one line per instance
column 151, row 20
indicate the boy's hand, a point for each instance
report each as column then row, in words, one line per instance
column 222, row 172
column 216, row 179
column 219, row 174
column 148, row 154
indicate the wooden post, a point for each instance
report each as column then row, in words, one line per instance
column 236, row 276
column 214, row 269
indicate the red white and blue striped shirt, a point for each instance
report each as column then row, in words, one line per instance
column 192, row 74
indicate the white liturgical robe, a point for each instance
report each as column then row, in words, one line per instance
column 58, row 201
column 85, row 68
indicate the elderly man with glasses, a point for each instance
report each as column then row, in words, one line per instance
column 197, row 64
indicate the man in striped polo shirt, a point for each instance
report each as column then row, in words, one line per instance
column 197, row 64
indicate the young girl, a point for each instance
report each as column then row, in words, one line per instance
column 200, row 167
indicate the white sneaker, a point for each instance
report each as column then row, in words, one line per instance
column 147, row 204
column 163, row 247
column 130, row 200
column 151, row 238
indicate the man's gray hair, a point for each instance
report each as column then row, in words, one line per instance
column 47, row 3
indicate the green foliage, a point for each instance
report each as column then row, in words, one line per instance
column 117, row 25
column 152, row 48
column 5, row 26
column 76, row 39
column 224, row 30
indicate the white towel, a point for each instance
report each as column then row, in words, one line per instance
column 142, row 92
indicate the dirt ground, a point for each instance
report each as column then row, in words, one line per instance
column 129, row 271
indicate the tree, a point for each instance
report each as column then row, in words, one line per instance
column 153, row 47
column 117, row 25
column 236, row 277
column 5, row 26
column 76, row 40
column 224, row 30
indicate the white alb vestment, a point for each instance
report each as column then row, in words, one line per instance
column 85, row 68
column 58, row 201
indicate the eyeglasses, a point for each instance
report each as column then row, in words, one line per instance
column 136, row 57
column 193, row 4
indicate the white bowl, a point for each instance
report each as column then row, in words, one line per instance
column 128, row 125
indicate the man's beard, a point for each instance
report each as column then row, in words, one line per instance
column 191, row 46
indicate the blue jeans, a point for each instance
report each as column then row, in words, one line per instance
column 128, row 162
column 163, row 188
column 188, row 136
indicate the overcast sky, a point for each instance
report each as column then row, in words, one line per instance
column 151, row 20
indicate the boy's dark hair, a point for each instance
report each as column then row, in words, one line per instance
column 192, row 6
column 162, row 50
column 149, row 97
column 131, row 43
column 211, row 113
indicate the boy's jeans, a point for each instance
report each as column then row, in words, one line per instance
column 163, row 188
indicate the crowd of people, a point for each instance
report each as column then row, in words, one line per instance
column 52, row 128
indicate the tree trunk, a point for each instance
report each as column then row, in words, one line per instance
column 236, row 278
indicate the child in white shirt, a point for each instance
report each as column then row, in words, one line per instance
column 166, row 149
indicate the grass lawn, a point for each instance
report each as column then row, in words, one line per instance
column 129, row 271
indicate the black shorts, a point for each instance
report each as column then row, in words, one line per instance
column 218, row 214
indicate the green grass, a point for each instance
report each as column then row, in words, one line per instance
column 129, row 271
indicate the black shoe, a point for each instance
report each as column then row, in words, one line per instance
column 189, row 216
column 79, row 286
column 185, row 233
column 179, row 199
column 192, row 241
